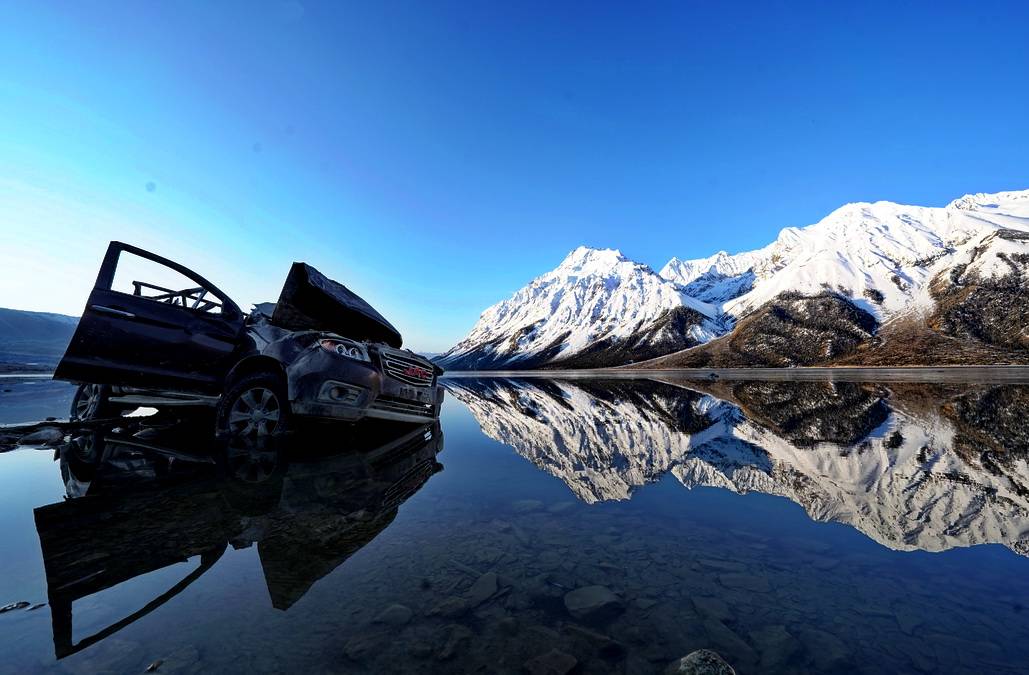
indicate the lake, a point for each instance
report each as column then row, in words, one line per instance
column 545, row 525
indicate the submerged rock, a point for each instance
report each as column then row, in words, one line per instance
column 723, row 565
column 182, row 660
column 420, row 649
column 700, row 662
column 450, row 608
column 604, row 645
column 728, row 641
column 395, row 615
column 826, row 650
column 775, row 644
column 714, row 608
column 553, row 662
column 526, row 505
column 907, row 620
column 745, row 582
column 593, row 603
column 483, row 589
column 361, row 647
column 457, row 637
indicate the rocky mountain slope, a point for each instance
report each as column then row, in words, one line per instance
column 909, row 466
column 833, row 292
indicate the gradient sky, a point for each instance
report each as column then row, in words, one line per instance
column 436, row 156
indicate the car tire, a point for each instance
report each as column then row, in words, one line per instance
column 92, row 401
column 254, row 405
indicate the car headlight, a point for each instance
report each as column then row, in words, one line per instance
column 347, row 348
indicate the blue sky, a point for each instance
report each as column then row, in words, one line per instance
column 437, row 156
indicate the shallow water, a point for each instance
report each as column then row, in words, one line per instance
column 790, row 526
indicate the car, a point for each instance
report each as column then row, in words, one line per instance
column 155, row 333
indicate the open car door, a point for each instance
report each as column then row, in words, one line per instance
column 152, row 323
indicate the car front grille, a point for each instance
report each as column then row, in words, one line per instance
column 400, row 366
column 388, row 403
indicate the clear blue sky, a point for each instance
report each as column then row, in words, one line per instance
column 436, row 156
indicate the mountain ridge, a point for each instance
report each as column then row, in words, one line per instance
column 28, row 337
column 886, row 260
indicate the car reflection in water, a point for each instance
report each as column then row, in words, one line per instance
column 140, row 499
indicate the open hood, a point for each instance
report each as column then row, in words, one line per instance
column 311, row 301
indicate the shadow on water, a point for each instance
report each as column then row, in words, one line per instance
column 140, row 499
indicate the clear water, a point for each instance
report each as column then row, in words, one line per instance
column 791, row 527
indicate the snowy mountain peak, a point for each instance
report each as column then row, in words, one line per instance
column 596, row 300
column 984, row 200
column 715, row 279
column 586, row 260
column 685, row 271
column 880, row 254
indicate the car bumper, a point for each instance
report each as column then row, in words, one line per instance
column 323, row 385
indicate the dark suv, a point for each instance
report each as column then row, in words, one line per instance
column 176, row 340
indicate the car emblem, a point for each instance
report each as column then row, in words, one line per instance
column 415, row 371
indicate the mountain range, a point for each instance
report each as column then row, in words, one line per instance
column 912, row 466
column 870, row 284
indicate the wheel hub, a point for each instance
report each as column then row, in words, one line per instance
column 255, row 412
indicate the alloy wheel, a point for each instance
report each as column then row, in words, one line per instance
column 88, row 402
column 255, row 412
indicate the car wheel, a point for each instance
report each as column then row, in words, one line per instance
column 92, row 401
column 256, row 405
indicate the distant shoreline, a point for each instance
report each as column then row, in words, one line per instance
column 1014, row 374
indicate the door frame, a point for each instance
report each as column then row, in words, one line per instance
column 105, row 278
column 80, row 367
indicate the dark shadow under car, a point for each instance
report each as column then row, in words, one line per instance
column 319, row 352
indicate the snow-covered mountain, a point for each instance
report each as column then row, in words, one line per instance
column 862, row 250
column 716, row 279
column 596, row 302
column 885, row 260
column 908, row 475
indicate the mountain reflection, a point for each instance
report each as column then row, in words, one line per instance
column 913, row 466
column 140, row 500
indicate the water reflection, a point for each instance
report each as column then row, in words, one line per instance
column 493, row 566
column 143, row 499
column 912, row 466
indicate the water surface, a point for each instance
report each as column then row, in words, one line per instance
column 791, row 526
